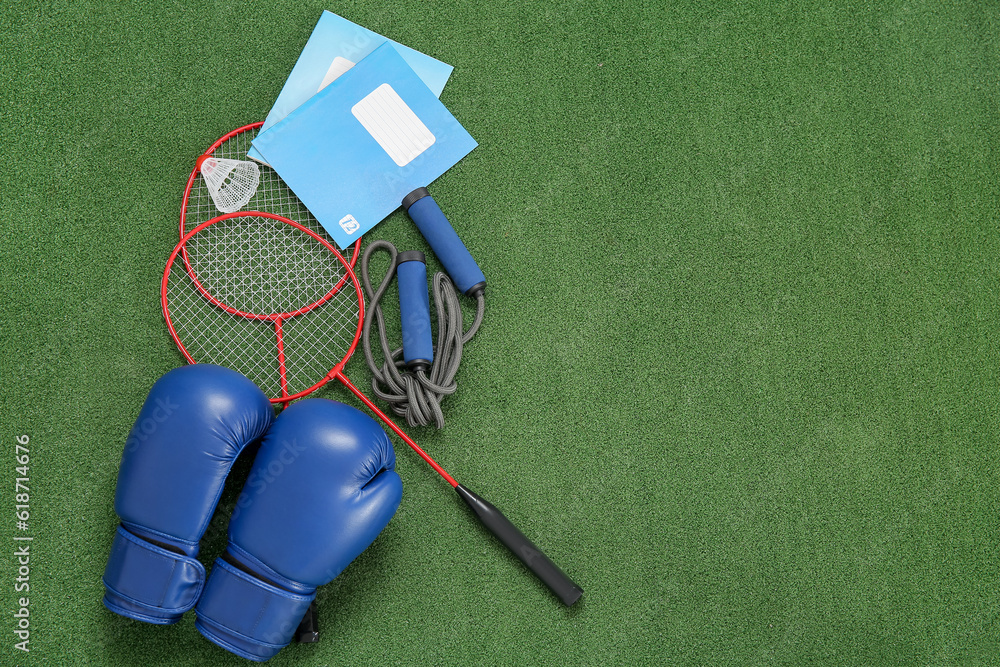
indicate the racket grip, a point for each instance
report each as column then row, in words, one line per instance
column 414, row 309
column 455, row 257
column 564, row 587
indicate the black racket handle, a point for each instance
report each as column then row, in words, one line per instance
column 564, row 587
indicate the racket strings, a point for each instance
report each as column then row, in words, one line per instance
column 241, row 281
column 416, row 396
column 272, row 195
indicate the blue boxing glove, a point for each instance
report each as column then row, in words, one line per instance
column 321, row 490
column 194, row 423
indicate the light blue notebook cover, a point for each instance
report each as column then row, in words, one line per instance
column 354, row 150
column 335, row 46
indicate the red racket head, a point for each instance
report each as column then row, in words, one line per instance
column 272, row 195
column 264, row 295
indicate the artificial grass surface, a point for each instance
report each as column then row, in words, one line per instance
column 739, row 371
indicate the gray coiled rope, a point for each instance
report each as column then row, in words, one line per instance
column 416, row 396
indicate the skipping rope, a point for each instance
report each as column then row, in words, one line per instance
column 415, row 390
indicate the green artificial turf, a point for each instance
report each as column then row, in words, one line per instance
column 739, row 370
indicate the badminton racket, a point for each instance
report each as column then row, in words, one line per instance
column 272, row 195
column 271, row 298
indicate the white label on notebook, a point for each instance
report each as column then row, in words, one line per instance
column 393, row 125
column 337, row 67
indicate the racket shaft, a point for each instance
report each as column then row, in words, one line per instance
column 395, row 429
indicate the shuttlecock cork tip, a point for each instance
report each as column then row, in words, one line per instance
column 201, row 161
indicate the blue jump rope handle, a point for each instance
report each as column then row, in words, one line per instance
column 450, row 250
column 414, row 310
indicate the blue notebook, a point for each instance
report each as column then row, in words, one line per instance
column 335, row 46
column 355, row 149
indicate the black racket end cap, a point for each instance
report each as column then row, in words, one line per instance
column 411, row 199
column 411, row 256
column 476, row 289
column 570, row 596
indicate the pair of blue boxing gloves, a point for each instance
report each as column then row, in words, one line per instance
column 322, row 487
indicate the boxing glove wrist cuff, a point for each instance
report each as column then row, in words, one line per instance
column 248, row 616
column 148, row 583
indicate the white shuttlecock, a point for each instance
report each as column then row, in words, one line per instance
column 232, row 183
